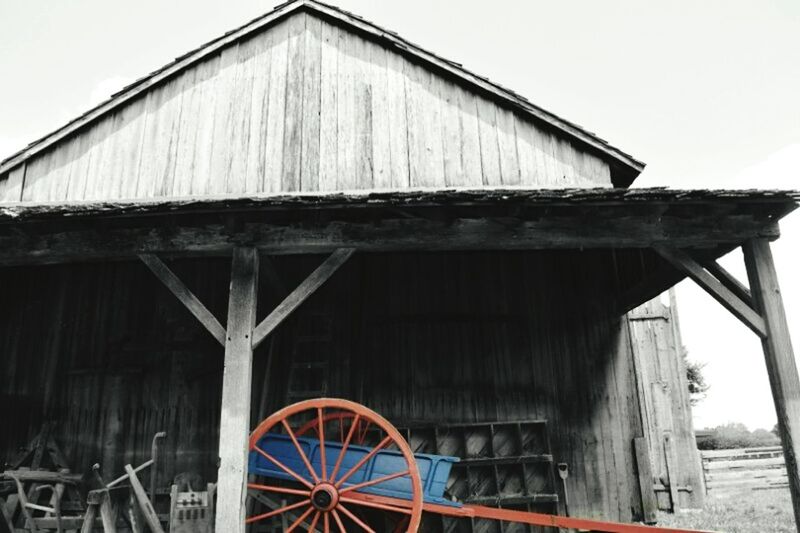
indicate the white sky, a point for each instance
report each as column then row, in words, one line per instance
column 706, row 92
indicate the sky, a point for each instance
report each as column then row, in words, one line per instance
column 706, row 92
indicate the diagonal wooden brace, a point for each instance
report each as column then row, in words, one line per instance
column 313, row 282
column 740, row 308
column 186, row 297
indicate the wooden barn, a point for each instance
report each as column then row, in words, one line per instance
column 311, row 206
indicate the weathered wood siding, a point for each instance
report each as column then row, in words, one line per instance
column 460, row 337
column 302, row 106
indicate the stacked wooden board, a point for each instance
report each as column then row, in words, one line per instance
column 728, row 471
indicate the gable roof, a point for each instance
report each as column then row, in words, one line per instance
column 624, row 167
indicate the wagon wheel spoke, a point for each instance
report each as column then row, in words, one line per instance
column 377, row 505
column 312, row 527
column 324, row 472
column 300, row 520
column 363, row 460
column 375, row 481
column 344, row 447
column 300, row 451
column 338, row 520
column 354, row 518
column 363, row 434
column 285, row 468
column 277, row 512
column 279, row 490
column 326, row 523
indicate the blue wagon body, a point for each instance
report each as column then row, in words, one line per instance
column 433, row 469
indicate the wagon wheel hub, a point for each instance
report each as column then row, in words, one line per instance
column 324, row 497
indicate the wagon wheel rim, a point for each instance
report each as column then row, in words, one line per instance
column 362, row 427
column 323, row 494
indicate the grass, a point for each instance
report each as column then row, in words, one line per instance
column 743, row 512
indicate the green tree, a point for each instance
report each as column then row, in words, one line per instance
column 694, row 375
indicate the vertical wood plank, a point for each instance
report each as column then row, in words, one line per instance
column 125, row 166
column 328, row 125
column 236, row 385
column 11, row 190
column 312, row 67
column 649, row 504
column 362, row 107
column 507, row 142
column 398, row 120
column 381, row 132
column 79, row 169
column 223, row 111
column 426, row 157
column 470, row 137
column 202, row 151
column 259, row 107
column 58, row 176
column 241, row 116
column 346, row 112
column 672, row 470
column 490, row 149
column 779, row 356
column 276, row 108
column 454, row 172
column 295, row 112
column 98, row 158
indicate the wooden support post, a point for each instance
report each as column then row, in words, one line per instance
column 781, row 367
column 236, row 382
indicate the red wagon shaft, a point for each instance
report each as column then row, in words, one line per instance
column 315, row 482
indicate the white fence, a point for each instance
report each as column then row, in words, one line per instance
column 743, row 469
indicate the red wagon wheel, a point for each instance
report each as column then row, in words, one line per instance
column 342, row 420
column 321, row 489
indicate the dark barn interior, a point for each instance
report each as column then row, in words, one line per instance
column 111, row 357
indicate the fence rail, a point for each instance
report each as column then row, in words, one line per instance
column 745, row 468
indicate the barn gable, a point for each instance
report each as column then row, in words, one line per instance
column 309, row 98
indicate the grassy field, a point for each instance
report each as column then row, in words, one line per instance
column 746, row 512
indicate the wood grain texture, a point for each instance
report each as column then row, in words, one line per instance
column 779, row 356
column 11, row 186
column 305, row 105
column 234, row 426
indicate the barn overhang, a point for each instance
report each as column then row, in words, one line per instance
column 651, row 237
column 712, row 222
column 631, row 224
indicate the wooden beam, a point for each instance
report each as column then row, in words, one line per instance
column 301, row 293
column 730, row 281
column 145, row 505
column 46, row 244
column 172, row 282
column 683, row 262
column 236, row 383
column 779, row 356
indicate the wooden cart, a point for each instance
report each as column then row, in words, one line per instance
column 327, row 464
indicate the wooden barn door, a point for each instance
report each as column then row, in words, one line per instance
column 666, row 411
